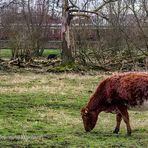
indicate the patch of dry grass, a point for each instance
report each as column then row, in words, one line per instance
column 59, row 117
column 51, row 83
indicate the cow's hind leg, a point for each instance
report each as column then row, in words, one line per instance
column 123, row 111
column 118, row 121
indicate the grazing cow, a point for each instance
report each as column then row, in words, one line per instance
column 116, row 94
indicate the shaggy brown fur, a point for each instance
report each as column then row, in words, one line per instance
column 116, row 94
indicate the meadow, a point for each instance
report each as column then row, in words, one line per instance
column 43, row 110
column 6, row 53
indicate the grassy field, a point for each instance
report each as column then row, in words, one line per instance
column 51, row 51
column 43, row 110
column 6, row 53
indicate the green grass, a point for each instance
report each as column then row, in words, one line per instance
column 6, row 53
column 51, row 51
column 39, row 110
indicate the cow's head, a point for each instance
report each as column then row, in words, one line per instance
column 89, row 118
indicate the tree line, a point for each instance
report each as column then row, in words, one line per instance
column 111, row 34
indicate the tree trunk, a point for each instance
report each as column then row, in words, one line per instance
column 66, row 45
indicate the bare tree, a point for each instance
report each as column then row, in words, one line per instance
column 36, row 22
column 119, row 42
column 71, row 9
column 5, row 4
column 27, row 25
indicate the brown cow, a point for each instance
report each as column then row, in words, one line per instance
column 116, row 94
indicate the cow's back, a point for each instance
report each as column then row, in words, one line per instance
column 133, row 88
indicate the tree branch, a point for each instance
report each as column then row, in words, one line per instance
column 81, row 15
column 105, row 2
column 4, row 5
column 145, row 7
column 83, row 11
column 57, row 3
column 85, row 4
column 73, row 5
column 93, row 11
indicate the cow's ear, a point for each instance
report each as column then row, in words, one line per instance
column 84, row 111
